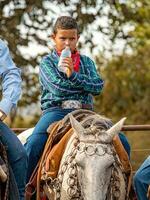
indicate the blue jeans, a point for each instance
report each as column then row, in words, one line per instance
column 142, row 180
column 36, row 142
column 17, row 157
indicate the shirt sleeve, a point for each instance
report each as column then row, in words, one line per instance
column 11, row 80
column 91, row 81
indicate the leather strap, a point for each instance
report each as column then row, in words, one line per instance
column 31, row 186
column 124, row 159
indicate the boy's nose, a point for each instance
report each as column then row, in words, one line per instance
column 67, row 42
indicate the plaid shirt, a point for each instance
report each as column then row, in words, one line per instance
column 56, row 87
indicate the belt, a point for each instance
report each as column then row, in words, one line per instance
column 74, row 104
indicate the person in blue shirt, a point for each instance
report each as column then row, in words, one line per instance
column 142, row 180
column 11, row 90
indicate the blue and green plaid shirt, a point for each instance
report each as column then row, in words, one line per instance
column 56, row 87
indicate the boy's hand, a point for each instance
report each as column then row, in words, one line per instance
column 68, row 63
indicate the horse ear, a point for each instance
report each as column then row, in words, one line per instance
column 78, row 128
column 115, row 129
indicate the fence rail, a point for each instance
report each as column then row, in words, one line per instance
column 124, row 128
column 136, row 127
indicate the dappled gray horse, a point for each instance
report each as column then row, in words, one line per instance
column 90, row 168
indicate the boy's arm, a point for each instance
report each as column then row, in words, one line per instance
column 54, row 81
column 11, row 80
column 90, row 82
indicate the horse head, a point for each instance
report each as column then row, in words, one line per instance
column 95, row 156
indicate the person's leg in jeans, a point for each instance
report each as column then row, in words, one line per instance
column 142, row 180
column 17, row 157
column 36, row 142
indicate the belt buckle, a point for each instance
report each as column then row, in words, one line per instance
column 71, row 104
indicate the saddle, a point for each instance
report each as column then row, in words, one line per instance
column 59, row 134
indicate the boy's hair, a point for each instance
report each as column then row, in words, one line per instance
column 65, row 22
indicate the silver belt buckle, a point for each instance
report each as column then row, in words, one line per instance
column 71, row 104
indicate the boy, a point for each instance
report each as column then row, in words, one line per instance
column 62, row 92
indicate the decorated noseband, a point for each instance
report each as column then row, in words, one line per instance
column 91, row 149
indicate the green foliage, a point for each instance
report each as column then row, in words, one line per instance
column 127, row 84
column 127, row 76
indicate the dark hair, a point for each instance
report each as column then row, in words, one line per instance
column 65, row 22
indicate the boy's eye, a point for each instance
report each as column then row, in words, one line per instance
column 62, row 38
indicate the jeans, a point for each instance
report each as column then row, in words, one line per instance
column 17, row 157
column 36, row 142
column 142, row 180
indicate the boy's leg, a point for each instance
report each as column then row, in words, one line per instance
column 17, row 157
column 36, row 142
column 142, row 180
column 125, row 143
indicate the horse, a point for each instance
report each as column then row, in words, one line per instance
column 90, row 168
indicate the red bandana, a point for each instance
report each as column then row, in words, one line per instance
column 76, row 60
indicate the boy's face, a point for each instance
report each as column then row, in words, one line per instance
column 65, row 37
